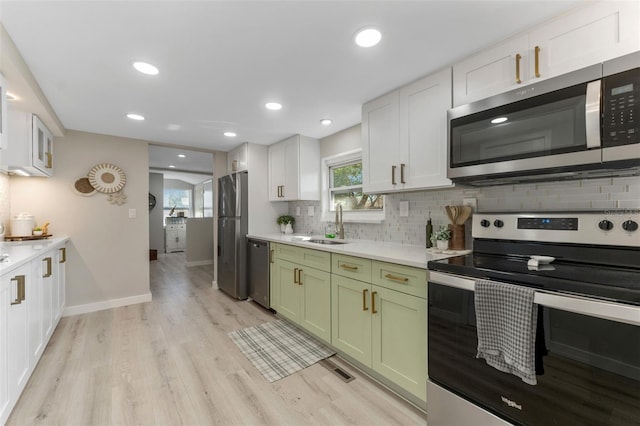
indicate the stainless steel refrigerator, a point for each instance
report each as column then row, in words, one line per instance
column 232, row 231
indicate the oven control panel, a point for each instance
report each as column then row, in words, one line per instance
column 612, row 227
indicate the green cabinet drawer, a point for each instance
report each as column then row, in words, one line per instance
column 308, row 257
column 400, row 278
column 355, row 268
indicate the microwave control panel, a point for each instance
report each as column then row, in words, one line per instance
column 621, row 105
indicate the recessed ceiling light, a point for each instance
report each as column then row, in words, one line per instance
column 171, row 166
column 146, row 68
column 11, row 96
column 273, row 106
column 368, row 37
column 326, row 121
column 230, row 134
column 135, row 117
column 182, row 156
column 499, row 120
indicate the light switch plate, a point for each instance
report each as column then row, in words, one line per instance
column 298, row 211
column 311, row 211
column 473, row 202
column 404, row 208
column 132, row 213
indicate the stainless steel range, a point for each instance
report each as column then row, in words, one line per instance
column 586, row 276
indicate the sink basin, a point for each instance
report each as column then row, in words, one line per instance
column 330, row 242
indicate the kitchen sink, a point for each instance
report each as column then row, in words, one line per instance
column 330, row 242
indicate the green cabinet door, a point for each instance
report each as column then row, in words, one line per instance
column 315, row 302
column 288, row 290
column 399, row 333
column 351, row 317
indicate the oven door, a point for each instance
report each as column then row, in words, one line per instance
column 591, row 371
column 551, row 126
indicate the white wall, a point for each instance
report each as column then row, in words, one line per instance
column 108, row 254
column 156, row 218
column 263, row 213
column 199, row 241
column 343, row 141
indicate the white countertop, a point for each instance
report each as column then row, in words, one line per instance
column 21, row 252
column 402, row 254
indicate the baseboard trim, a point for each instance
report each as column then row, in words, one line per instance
column 214, row 285
column 199, row 263
column 106, row 304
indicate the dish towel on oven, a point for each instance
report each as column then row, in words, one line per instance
column 506, row 320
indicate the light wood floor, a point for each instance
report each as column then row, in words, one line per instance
column 170, row 362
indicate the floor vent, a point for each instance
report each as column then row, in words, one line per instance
column 331, row 366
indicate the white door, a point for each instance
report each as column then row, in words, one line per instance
column 423, row 132
column 380, row 138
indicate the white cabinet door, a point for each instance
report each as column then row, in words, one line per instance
column 35, row 312
column 47, row 283
column 4, row 348
column 42, row 150
column 492, row 71
column 18, row 332
column 423, row 131
column 276, row 172
column 237, row 159
column 380, row 139
column 602, row 31
column 60, row 277
column 291, row 151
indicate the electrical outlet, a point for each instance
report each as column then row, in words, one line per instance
column 311, row 210
column 473, row 202
column 132, row 213
column 298, row 211
column 404, row 208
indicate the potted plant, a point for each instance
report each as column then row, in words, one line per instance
column 37, row 231
column 286, row 224
column 441, row 237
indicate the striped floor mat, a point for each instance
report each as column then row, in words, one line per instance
column 278, row 349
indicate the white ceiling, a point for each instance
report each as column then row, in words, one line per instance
column 220, row 61
column 196, row 167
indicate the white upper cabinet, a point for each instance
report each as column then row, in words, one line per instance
column 584, row 37
column 404, row 137
column 3, row 114
column 237, row 159
column 30, row 145
column 294, row 169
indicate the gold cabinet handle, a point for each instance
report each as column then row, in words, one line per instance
column 63, row 259
column 518, row 57
column 300, row 276
column 373, row 302
column 20, row 296
column 395, row 278
column 364, row 300
column 537, row 60
column 348, row 267
column 48, row 262
column 295, row 276
column 402, row 173
column 393, row 175
column 270, row 256
column 49, row 160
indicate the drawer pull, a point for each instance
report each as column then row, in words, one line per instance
column 518, row 57
column 20, row 293
column 537, row 61
column 300, row 276
column 364, row 300
column 47, row 274
column 398, row 279
column 373, row 302
column 63, row 257
column 295, row 276
column 270, row 256
column 348, row 267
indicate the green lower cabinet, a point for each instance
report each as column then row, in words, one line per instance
column 351, row 317
column 315, row 302
column 399, row 339
column 288, row 290
column 383, row 329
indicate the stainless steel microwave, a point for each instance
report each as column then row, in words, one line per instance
column 578, row 125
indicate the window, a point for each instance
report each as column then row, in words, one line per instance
column 342, row 185
column 176, row 201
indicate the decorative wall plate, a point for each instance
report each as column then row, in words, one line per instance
column 107, row 178
column 82, row 186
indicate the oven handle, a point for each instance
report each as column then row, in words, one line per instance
column 578, row 304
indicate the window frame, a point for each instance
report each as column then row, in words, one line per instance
column 351, row 216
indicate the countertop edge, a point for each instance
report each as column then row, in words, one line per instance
column 18, row 255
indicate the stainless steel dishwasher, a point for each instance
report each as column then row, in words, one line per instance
column 258, row 273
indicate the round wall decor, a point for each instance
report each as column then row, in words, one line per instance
column 82, row 186
column 107, row 178
column 152, row 201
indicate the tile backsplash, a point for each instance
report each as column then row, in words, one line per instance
column 588, row 194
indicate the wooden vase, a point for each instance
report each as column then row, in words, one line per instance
column 457, row 237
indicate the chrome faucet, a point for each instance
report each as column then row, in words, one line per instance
column 339, row 223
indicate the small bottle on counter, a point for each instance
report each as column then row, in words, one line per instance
column 429, row 231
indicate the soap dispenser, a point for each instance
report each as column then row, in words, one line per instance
column 429, row 231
